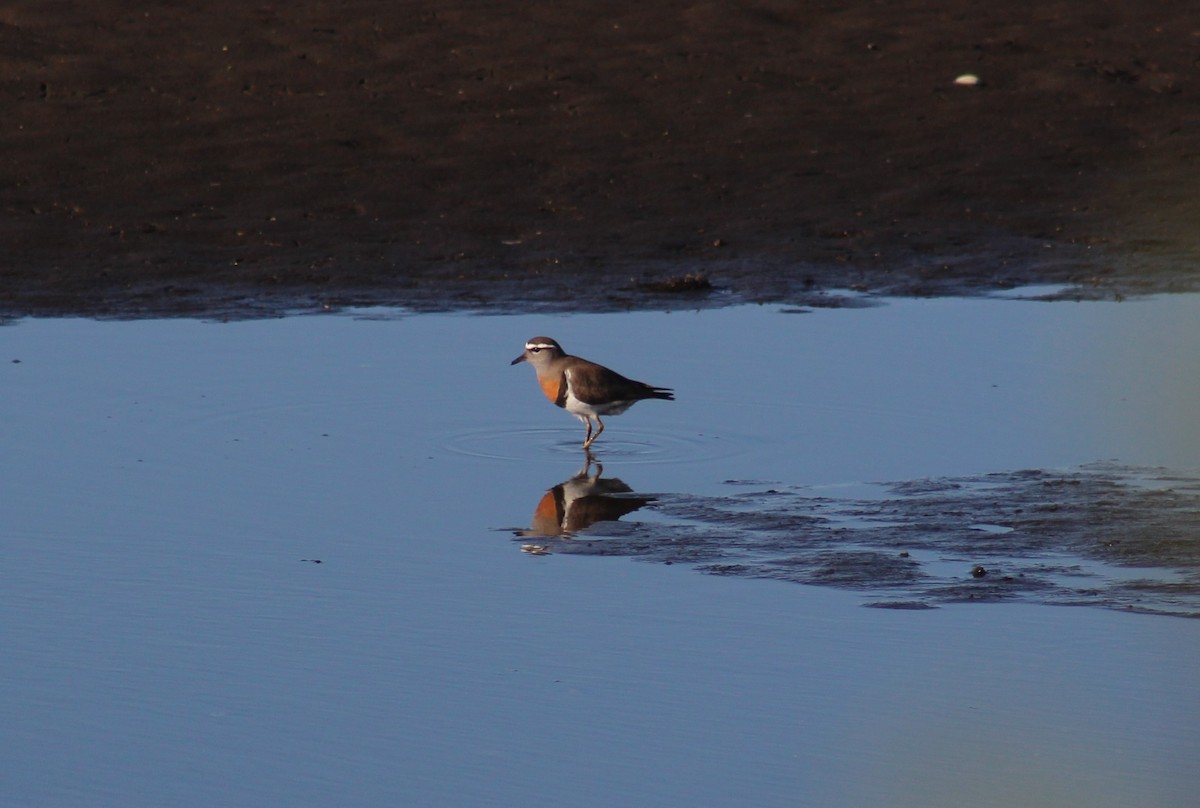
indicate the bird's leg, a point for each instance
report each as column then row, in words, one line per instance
column 599, row 429
column 585, row 472
column 587, row 439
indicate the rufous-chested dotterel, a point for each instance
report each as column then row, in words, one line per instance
column 583, row 388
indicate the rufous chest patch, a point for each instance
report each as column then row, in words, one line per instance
column 547, row 517
column 551, row 388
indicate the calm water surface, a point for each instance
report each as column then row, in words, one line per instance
column 170, row 639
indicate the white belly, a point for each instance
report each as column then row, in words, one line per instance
column 584, row 411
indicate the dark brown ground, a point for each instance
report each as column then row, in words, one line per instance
column 230, row 157
column 1105, row 535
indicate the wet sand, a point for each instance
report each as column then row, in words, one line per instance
column 1103, row 535
column 233, row 158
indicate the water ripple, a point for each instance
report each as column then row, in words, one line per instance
column 629, row 445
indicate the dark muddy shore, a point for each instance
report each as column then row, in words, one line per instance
column 224, row 158
column 1103, row 535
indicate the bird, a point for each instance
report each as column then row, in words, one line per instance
column 576, row 504
column 583, row 388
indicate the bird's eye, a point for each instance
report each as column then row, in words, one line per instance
column 534, row 350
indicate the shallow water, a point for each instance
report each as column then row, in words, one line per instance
column 170, row 487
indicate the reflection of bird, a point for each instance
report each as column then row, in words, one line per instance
column 583, row 388
column 578, row 503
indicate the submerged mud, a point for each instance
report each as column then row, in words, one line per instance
column 1108, row 535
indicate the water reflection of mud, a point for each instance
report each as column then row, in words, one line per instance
column 1103, row 535
column 579, row 502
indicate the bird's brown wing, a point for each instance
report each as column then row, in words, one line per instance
column 596, row 384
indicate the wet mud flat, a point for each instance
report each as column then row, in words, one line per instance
column 1102, row 535
column 238, row 160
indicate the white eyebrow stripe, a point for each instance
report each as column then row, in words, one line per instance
column 529, row 346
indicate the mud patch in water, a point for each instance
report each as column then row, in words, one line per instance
column 1101, row 535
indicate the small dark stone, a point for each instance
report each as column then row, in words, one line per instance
column 691, row 282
